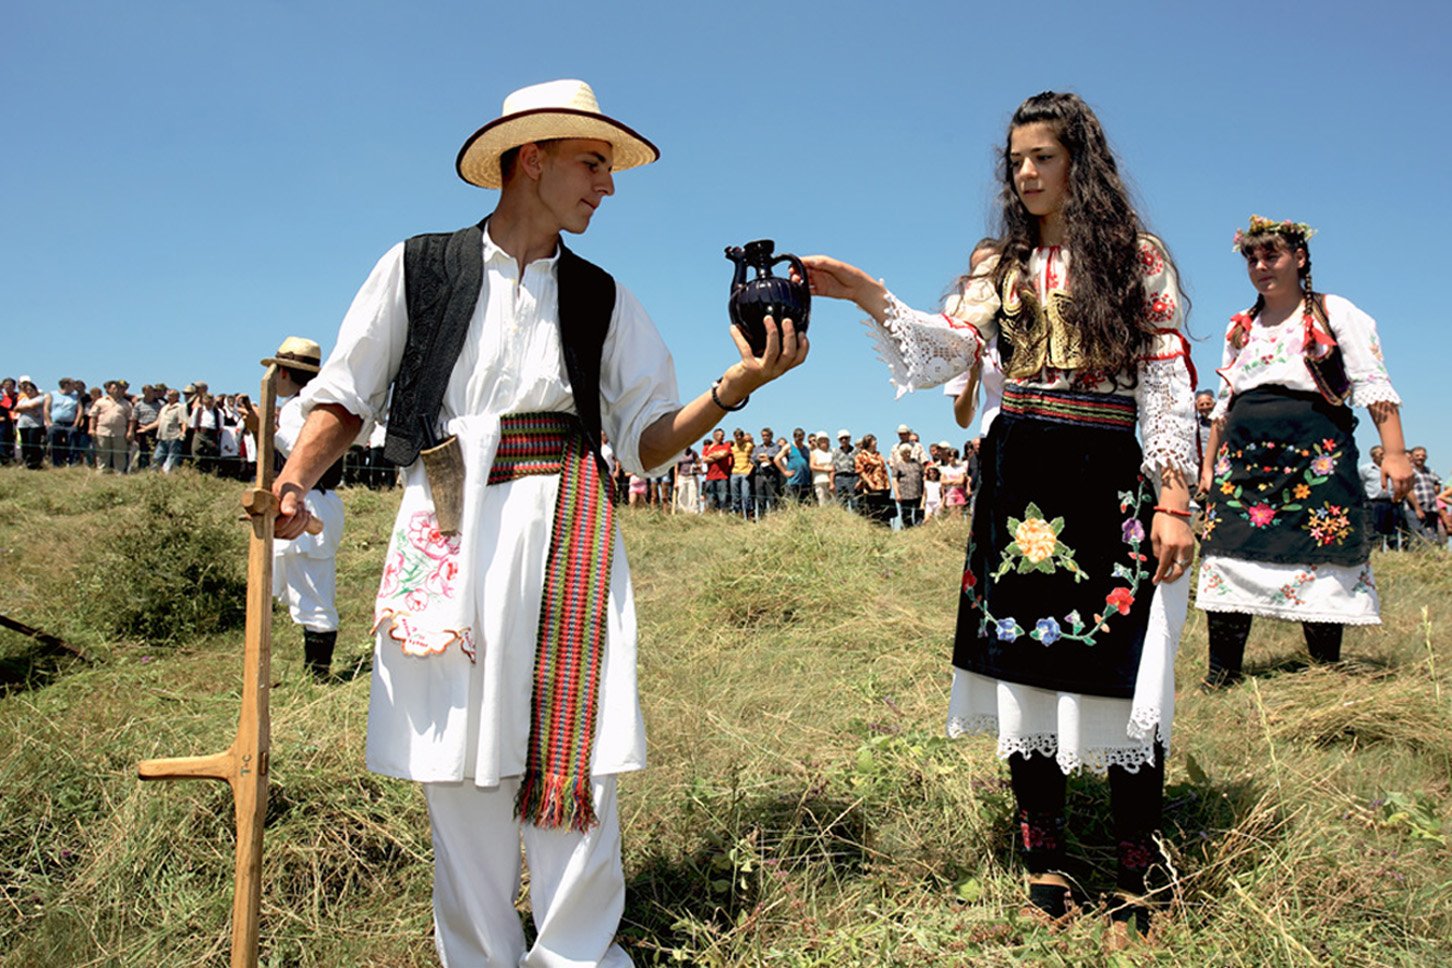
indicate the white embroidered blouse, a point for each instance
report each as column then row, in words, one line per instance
column 930, row 349
column 1274, row 356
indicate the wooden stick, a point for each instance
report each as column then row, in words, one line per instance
column 243, row 765
column 44, row 638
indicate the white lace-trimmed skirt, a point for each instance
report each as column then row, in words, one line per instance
column 1343, row 594
column 1079, row 731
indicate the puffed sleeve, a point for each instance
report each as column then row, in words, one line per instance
column 1355, row 331
column 637, row 381
column 929, row 349
column 359, row 371
column 1165, row 391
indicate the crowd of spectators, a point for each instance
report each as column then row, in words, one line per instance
column 751, row 476
column 116, row 431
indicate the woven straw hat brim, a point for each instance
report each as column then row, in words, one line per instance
column 478, row 162
column 292, row 364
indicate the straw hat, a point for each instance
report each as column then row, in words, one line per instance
column 547, row 112
column 297, row 353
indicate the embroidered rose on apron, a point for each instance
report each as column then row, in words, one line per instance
column 421, row 576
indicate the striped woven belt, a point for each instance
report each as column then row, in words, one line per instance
column 555, row 790
column 531, row 444
column 1081, row 409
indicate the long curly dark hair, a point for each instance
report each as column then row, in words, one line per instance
column 1101, row 235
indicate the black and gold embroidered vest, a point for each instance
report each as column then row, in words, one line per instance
column 1033, row 333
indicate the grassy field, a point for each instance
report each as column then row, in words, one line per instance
column 800, row 808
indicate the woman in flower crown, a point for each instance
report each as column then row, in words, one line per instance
column 1071, row 605
column 1287, row 532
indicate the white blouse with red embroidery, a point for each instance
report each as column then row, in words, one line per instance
column 930, row 349
column 1275, row 356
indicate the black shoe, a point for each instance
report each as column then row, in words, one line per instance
column 318, row 652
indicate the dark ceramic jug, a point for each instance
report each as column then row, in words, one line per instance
column 767, row 295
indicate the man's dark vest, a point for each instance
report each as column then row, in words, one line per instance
column 442, row 274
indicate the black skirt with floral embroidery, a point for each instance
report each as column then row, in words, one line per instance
column 1285, row 483
column 1057, row 588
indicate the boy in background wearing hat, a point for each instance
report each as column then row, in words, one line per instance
column 305, row 568
column 504, row 665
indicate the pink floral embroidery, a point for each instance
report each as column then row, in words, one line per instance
column 1261, row 515
column 442, row 581
column 422, row 572
column 391, row 573
column 424, row 534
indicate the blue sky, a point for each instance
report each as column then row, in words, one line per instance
column 185, row 184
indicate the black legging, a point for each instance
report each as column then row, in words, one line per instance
column 1136, row 801
column 1230, row 630
column 32, row 446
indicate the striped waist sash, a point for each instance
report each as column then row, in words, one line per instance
column 555, row 791
column 1102, row 410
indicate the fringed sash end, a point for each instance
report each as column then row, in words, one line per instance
column 555, row 802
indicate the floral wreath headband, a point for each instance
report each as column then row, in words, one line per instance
column 1259, row 225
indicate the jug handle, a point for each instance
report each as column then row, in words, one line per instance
column 801, row 270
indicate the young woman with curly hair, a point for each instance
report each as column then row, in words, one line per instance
column 1071, row 604
column 1287, row 533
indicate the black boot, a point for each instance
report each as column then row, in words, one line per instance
column 318, row 652
column 1228, row 632
column 1323, row 641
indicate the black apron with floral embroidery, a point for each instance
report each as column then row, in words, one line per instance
column 1057, row 589
column 1285, row 483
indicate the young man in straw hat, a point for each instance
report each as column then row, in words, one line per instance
column 504, row 667
column 305, row 568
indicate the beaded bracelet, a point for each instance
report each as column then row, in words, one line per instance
column 717, row 400
column 1179, row 514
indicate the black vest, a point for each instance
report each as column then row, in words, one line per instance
column 442, row 275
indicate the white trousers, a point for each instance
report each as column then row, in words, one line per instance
column 309, row 586
column 687, row 495
column 305, row 572
column 576, row 882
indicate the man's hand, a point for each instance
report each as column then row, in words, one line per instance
column 785, row 349
column 292, row 513
column 324, row 438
